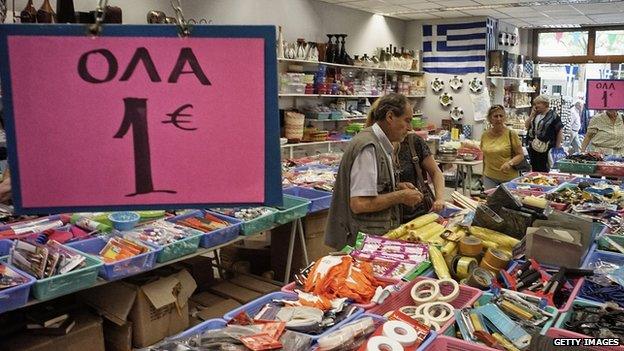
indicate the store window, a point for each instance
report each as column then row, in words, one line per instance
column 609, row 42
column 551, row 44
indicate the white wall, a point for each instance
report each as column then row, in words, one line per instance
column 431, row 107
column 133, row 12
column 307, row 19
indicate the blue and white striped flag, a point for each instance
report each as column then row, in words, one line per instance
column 457, row 48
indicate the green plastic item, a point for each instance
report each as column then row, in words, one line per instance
column 487, row 297
column 604, row 245
column 259, row 224
column 83, row 221
column 63, row 284
column 293, row 207
column 151, row 214
column 565, row 316
column 420, row 270
column 347, row 249
column 359, row 240
column 576, row 167
column 180, row 248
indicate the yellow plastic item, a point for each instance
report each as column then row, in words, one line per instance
column 422, row 221
column 534, row 201
column 439, row 265
column 396, row 233
column 504, row 241
column 489, row 244
column 476, row 322
column 448, row 248
column 428, row 231
column 504, row 342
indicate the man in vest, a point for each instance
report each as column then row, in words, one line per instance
column 366, row 198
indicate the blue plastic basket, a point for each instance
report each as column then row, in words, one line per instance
column 589, row 180
column 254, row 306
column 319, row 200
column 5, row 247
column 215, row 237
column 211, row 324
column 17, row 296
column 119, row 269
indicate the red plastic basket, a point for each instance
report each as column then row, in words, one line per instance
column 467, row 296
column 610, row 170
column 442, row 343
column 562, row 333
column 401, row 285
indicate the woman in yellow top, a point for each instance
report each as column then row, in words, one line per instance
column 501, row 149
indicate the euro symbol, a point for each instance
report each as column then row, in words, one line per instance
column 176, row 114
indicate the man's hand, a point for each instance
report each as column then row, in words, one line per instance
column 405, row 185
column 5, row 190
column 438, row 206
column 411, row 197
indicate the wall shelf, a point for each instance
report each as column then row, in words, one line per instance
column 342, row 96
column 508, row 78
column 350, row 66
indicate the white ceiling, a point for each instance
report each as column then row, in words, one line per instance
column 521, row 13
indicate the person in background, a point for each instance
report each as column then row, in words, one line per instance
column 575, row 125
column 545, row 131
column 502, row 149
column 5, row 187
column 605, row 134
column 367, row 196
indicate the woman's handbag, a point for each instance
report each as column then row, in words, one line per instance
column 524, row 165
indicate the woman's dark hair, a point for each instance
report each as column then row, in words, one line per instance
column 392, row 102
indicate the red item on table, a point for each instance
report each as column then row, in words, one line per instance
column 261, row 341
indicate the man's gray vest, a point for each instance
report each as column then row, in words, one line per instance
column 342, row 224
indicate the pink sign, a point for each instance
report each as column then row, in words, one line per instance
column 138, row 120
column 605, row 94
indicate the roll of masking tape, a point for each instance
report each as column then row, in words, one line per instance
column 480, row 278
column 388, row 314
column 433, row 325
column 421, row 309
column 425, row 291
column 452, row 294
column 409, row 310
column 464, row 266
column 400, row 331
column 470, row 246
column 497, row 258
column 379, row 343
column 439, row 312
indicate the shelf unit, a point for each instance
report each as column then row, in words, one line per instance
column 338, row 65
column 296, row 96
column 508, row 78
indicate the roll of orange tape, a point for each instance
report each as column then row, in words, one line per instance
column 470, row 246
column 484, row 264
column 497, row 258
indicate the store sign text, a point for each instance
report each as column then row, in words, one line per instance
column 605, row 94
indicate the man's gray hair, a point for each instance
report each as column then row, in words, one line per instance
column 543, row 99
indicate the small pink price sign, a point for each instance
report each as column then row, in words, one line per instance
column 605, row 94
column 140, row 118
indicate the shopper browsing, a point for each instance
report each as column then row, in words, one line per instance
column 575, row 125
column 502, row 150
column 545, row 132
column 367, row 196
column 605, row 134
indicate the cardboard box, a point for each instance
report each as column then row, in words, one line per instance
column 157, row 308
column 212, row 306
column 200, row 269
column 541, row 241
column 229, row 290
column 86, row 335
column 117, row 338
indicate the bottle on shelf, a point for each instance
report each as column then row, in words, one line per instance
column 330, row 53
column 46, row 14
column 65, row 12
column 29, row 13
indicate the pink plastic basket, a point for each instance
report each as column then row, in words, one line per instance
column 576, row 287
column 562, row 333
column 401, row 285
column 467, row 296
column 446, row 343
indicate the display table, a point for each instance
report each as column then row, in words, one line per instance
column 461, row 165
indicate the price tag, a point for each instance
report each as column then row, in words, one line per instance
column 605, row 94
column 140, row 118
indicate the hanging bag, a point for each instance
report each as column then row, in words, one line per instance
column 422, row 186
column 523, row 166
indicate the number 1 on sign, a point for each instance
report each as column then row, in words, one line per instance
column 604, row 99
column 135, row 116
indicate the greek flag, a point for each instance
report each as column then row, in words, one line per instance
column 457, row 48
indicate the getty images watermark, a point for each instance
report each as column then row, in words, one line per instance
column 586, row 342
